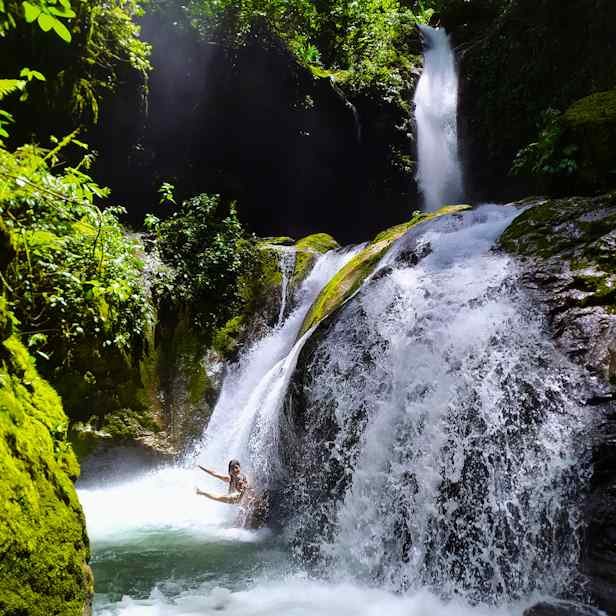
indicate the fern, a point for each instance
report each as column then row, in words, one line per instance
column 8, row 86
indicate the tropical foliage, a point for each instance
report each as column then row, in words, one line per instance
column 104, row 43
column 547, row 155
column 76, row 277
column 362, row 41
column 206, row 250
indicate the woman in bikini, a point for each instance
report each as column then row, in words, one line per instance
column 238, row 484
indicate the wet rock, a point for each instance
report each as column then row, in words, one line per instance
column 567, row 246
column 560, row 608
column 569, row 261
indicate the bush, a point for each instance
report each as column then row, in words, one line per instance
column 547, row 155
column 207, row 250
column 76, row 277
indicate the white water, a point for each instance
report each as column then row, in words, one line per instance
column 458, row 427
column 459, row 430
column 439, row 173
column 241, row 425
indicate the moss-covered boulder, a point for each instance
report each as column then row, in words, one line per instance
column 43, row 542
column 590, row 125
column 261, row 288
column 306, row 252
column 350, row 278
column 44, row 548
column 517, row 59
column 571, row 243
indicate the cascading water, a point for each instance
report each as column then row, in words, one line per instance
column 437, row 469
column 439, row 173
column 286, row 262
column 447, row 429
column 431, row 461
column 244, row 423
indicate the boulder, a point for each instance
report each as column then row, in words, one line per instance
column 44, row 548
column 568, row 249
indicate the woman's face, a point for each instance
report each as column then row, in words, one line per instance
column 235, row 469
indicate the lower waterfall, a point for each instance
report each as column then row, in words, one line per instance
column 453, row 429
column 433, row 461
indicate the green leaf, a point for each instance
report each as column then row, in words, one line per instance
column 46, row 22
column 31, row 12
column 30, row 74
column 63, row 12
column 62, row 31
column 8, row 86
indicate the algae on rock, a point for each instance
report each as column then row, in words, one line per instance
column 569, row 245
column 44, row 547
column 350, row 278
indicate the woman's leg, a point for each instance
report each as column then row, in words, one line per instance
column 229, row 499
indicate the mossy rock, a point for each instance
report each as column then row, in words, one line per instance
column 307, row 250
column 43, row 543
column 575, row 228
column 350, row 278
column 577, row 231
column 281, row 240
column 590, row 124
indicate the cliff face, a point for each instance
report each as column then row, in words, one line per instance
column 516, row 63
column 44, row 548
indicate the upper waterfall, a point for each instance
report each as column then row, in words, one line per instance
column 439, row 173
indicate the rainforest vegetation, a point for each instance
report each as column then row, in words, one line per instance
column 134, row 188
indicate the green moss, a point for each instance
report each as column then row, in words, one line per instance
column 317, row 242
column 43, row 542
column 574, row 227
column 344, row 284
column 127, row 424
column 281, row 240
column 307, row 250
column 590, row 125
column 226, row 339
column 578, row 231
column 597, row 108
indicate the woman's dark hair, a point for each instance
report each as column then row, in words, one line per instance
column 233, row 463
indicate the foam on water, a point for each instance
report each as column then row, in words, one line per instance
column 299, row 596
column 457, row 440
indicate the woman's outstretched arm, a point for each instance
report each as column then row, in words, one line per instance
column 229, row 499
column 214, row 474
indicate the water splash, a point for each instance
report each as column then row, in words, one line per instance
column 441, row 411
column 439, row 173
column 244, row 424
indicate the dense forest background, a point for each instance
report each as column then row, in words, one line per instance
column 150, row 150
column 205, row 122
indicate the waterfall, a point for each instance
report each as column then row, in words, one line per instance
column 349, row 105
column 439, row 173
column 241, row 426
column 244, row 424
column 286, row 262
column 444, row 446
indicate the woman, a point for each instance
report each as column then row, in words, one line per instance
column 238, row 484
